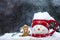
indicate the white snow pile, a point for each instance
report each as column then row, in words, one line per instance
column 17, row 36
column 42, row 15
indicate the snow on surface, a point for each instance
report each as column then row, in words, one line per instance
column 17, row 36
column 42, row 15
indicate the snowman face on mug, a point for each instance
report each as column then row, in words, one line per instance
column 40, row 29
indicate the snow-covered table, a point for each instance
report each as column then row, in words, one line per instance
column 15, row 36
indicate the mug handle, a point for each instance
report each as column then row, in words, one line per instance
column 55, row 27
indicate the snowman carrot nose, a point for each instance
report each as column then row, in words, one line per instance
column 38, row 29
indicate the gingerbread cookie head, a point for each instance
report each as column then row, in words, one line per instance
column 25, row 28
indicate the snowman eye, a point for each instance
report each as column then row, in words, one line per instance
column 40, row 27
column 36, row 26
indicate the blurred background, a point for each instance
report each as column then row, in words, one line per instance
column 15, row 13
